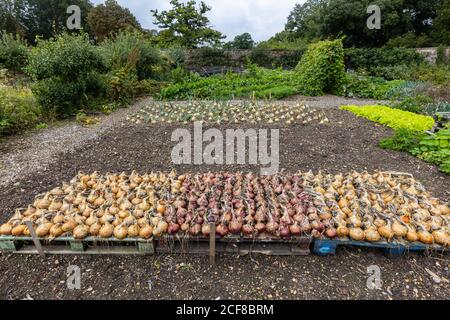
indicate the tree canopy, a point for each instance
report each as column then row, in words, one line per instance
column 186, row 25
column 44, row 18
column 424, row 22
column 242, row 41
column 109, row 19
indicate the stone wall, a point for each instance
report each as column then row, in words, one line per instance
column 431, row 53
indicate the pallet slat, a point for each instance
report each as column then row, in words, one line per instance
column 324, row 247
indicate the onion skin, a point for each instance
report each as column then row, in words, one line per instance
column 425, row 237
column 5, row 229
column 356, row 234
column 331, row 233
column 222, row 230
column 343, row 231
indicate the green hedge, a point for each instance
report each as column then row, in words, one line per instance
column 382, row 62
column 19, row 110
column 322, row 69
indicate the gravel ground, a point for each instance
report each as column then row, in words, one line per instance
column 347, row 143
column 32, row 152
column 343, row 276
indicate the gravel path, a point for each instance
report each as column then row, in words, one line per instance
column 33, row 152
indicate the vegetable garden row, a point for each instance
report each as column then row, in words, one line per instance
column 362, row 206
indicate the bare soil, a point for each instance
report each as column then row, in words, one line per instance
column 346, row 143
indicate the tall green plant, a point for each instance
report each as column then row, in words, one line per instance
column 322, row 69
column 14, row 52
column 66, row 70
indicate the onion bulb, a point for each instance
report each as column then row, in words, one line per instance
column 56, row 230
column 146, row 231
column 372, row 235
column 425, row 237
column 120, row 232
column 412, row 236
column 133, row 231
column 43, row 229
column 356, row 234
column 5, row 229
column 81, row 231
column 106, row 230
column 94, row 229
column 441, row 237
column 399, row 229
column 342, row 231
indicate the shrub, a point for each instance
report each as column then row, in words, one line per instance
column 393, row 118
column 371, row 87
column 14, row 52
column 18, row 110
column 321, row 68
column 373, row 60
column 402, row 140
column 66, row 70
column 133, row 51
column 414, row 103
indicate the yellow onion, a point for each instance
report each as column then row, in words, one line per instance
column 26, row 232
column 399, row 229
column 356, row 234
column 106, row 230
column 18, row 230
column 56, row 230
column 81, row 231
column 6, row 229
column 441, row 237
column 69, row 225
column 386, row 232
column 146, row 231
column 444, row 209
column 58, row 218
column 412, row 236
column 342, row 231
column 120, row 232
column 91, row 220
column 133, row 231
column 372, row 235
column 94, row 229
column 425, row 237
column 43, row 229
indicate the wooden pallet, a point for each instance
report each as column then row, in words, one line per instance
column 166, row 244
column 68, row 245
column 299, row 246
column 394, row 249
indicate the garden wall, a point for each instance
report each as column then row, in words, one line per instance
column 431, row 53
column 212, row 61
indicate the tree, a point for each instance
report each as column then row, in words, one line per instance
column 441, row 32
column 243, row 41
column 8, row 18
column 185, row 25
column 109, row 19
column 46, row 18
column 322, row 19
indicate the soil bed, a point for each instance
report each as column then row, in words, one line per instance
column 346, row 143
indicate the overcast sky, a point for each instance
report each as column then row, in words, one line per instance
column 261, row 18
